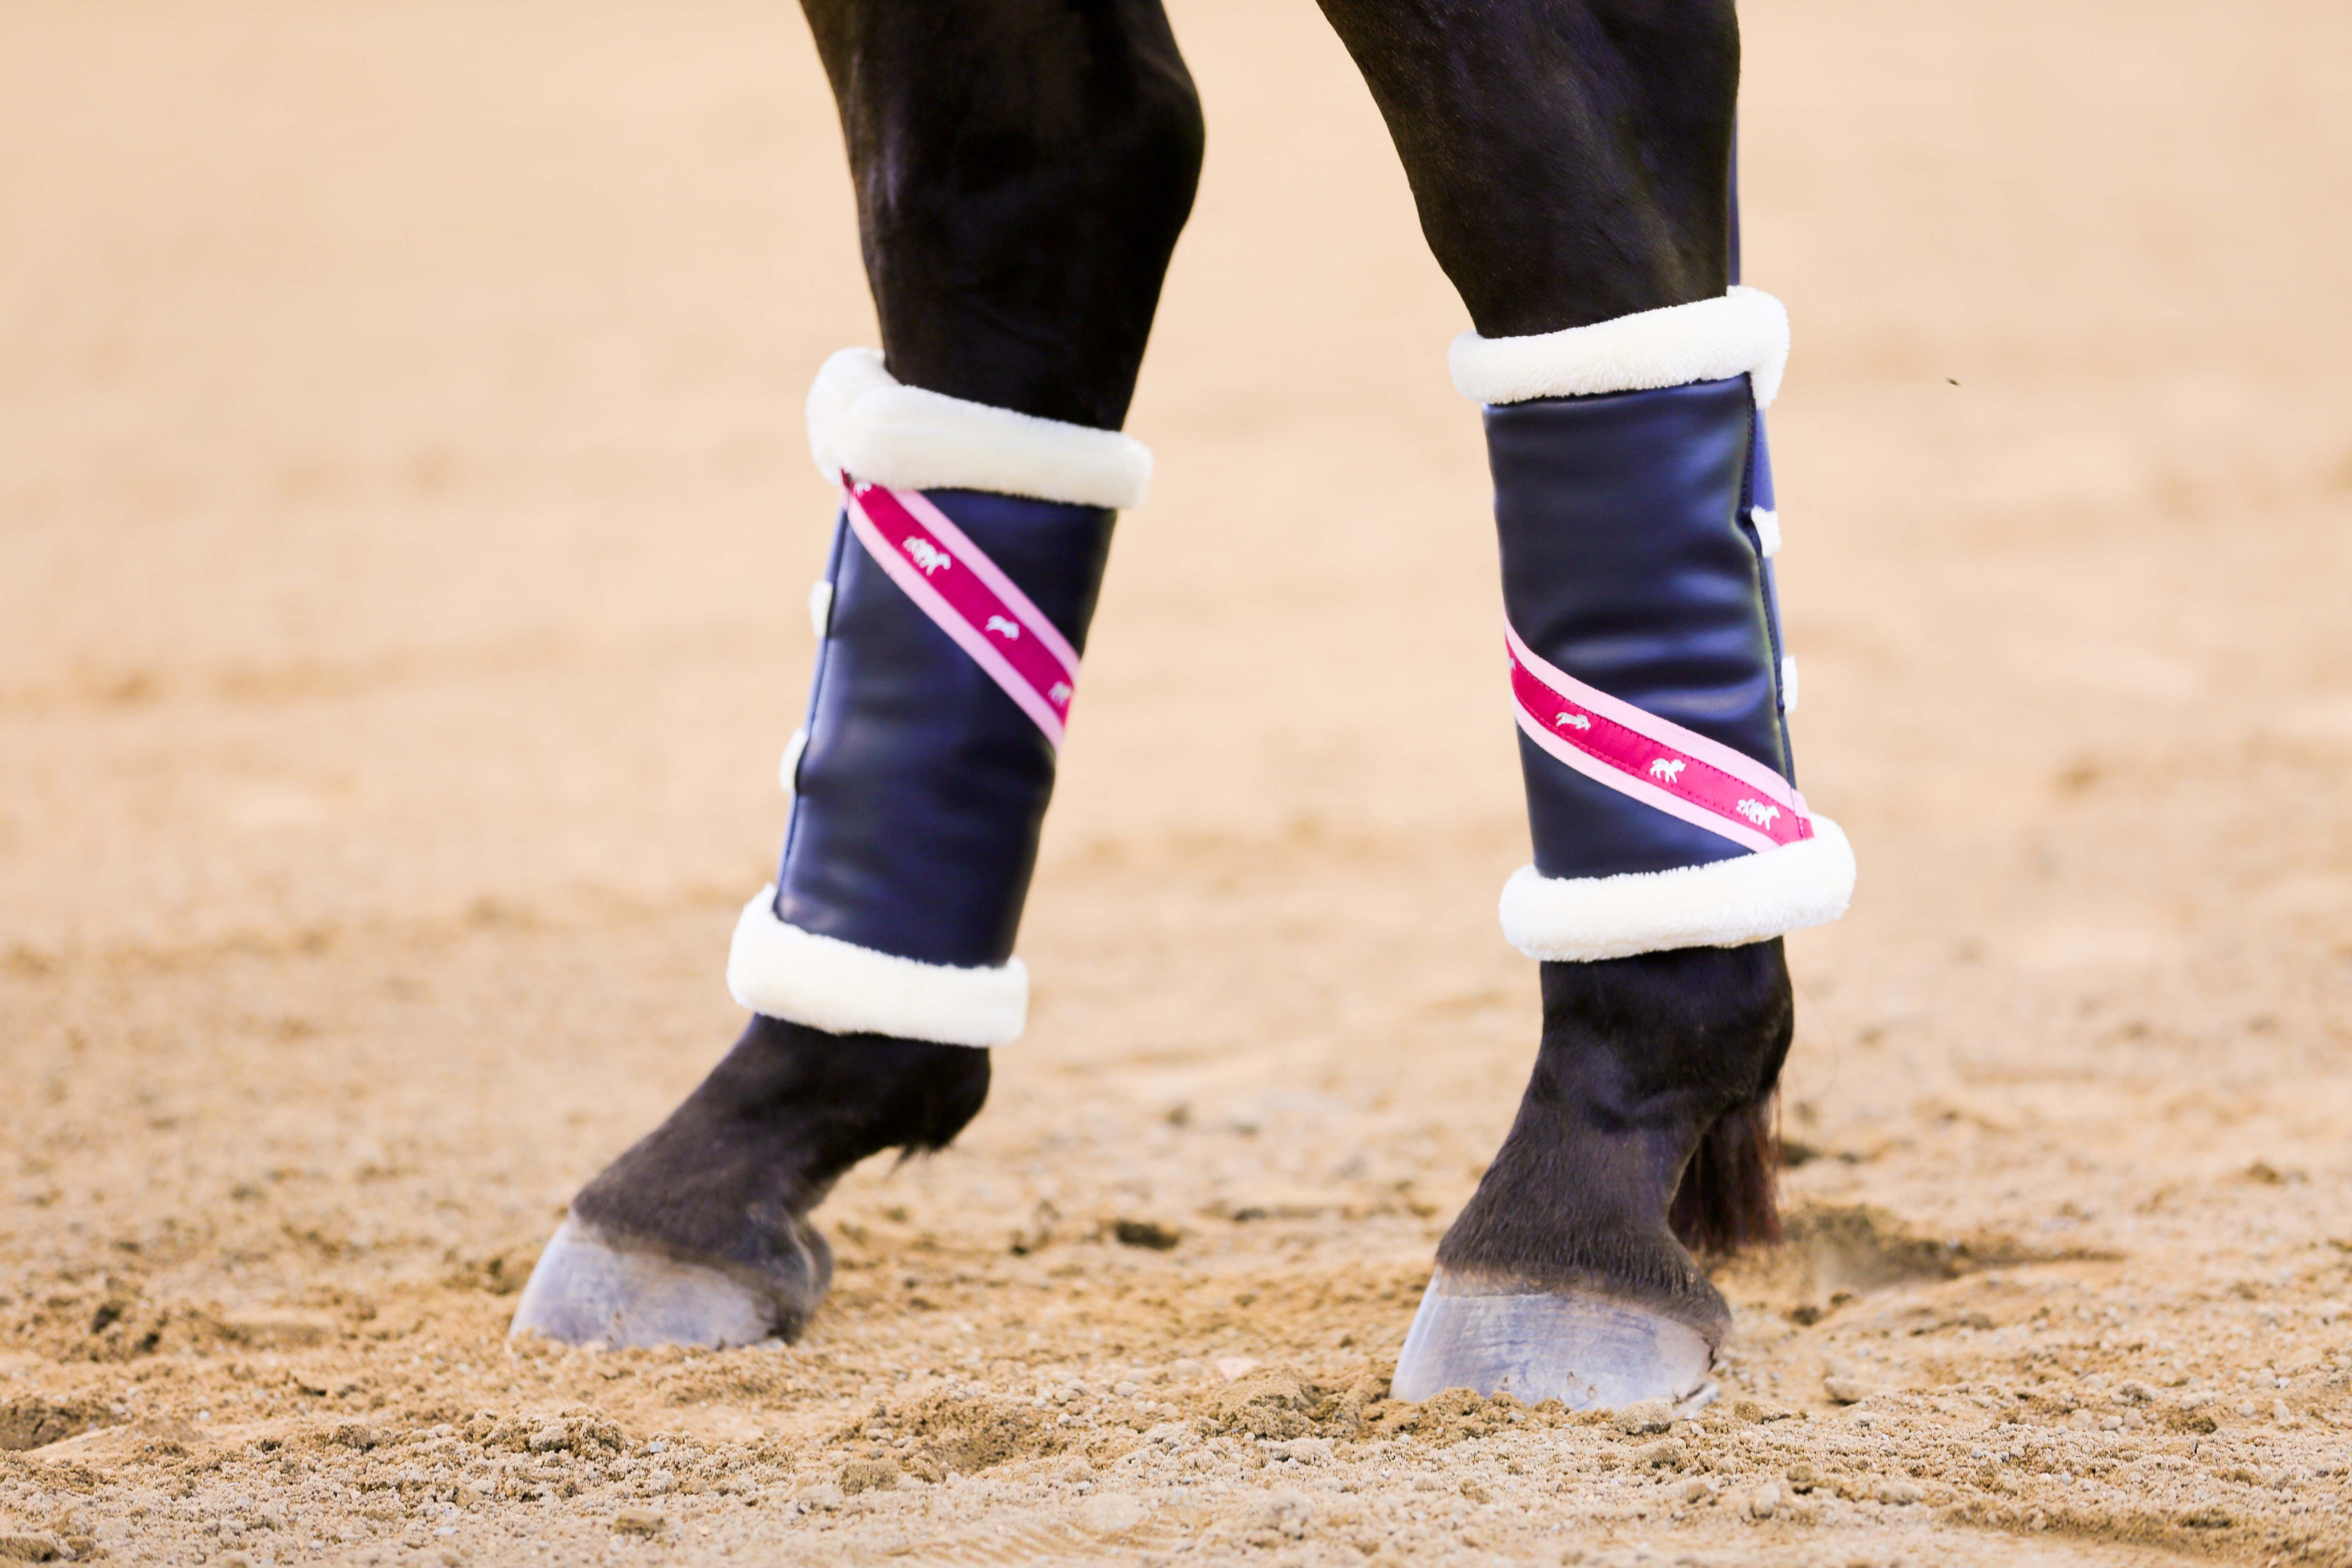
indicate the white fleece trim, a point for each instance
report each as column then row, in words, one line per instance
column 786, row 973
column 1767, row 529
column 1727, row 903
column 821, row 606
column 861, row 420
column 1745, row 332
column 1788, row 683
column 788, row 770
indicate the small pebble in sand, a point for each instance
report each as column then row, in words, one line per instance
column 1301, row 1451
column 637, row 1521
column 1126, row 1390
column 1765, row 1500
column 1646, row 1417
column 1845, row 1390
column 869, row 1475
column 1230, row 1367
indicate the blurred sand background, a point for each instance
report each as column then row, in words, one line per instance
column 404, row 533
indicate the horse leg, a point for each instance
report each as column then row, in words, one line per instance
column 1570, row 160
column 1023, row 168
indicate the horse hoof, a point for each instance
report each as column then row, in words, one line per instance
column 587, row 1290
column 1588, row 1351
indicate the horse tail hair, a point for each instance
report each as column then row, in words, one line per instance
column 1727, row 1199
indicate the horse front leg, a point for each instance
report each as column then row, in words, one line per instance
column 1023, row 168
column 1572, row 163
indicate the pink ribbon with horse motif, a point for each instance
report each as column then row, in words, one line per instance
column 969, row 598
column 1660, row 763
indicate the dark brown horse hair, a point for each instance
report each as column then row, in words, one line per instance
column 1728, row 1201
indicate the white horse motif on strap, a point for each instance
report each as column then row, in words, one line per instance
column 1573, row 721
column 1757, row 812
column 927, row 555
column 1005, row 627
column 1667, row 768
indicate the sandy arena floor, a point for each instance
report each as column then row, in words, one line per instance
column 403, row 526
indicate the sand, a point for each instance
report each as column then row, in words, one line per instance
column 404, row 533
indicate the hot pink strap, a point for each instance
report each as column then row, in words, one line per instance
column 969, row 598
column 1660, row 763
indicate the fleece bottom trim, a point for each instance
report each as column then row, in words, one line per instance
column 1725, row 903
column 783, row 971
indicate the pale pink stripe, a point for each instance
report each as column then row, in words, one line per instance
column 949, row 620
column 1665, row 732
column 969, row 594
column 1033, row 618
column 1638, row 788
column 1690, row 779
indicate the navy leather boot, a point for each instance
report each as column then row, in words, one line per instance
column 953, row 611
column 1631, row 497
column 1632, row 503
column 965, row 562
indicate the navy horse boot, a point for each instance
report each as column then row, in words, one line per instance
column 879, row 965
column 1672, row 848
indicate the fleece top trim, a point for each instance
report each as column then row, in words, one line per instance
column 1742, row 332
column 967, row 595
column 862, row 420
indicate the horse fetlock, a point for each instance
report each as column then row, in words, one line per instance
column 1686, row 1045
column 1643, row 1059
column 1681, row 1035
